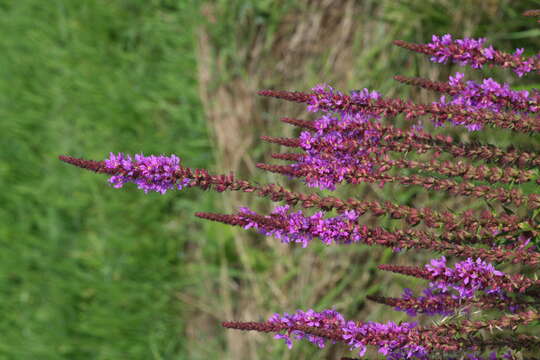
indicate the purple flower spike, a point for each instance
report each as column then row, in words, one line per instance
column 149, row 173
column 472, row 52
column 488, row 95
column 327, row 320
column 467, row 277
column 391, row 339
column 329, row 100
column 298, row 228
column 442, row 52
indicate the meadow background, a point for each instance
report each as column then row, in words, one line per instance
column 90, row 272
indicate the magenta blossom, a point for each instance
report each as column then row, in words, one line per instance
column 149, row 173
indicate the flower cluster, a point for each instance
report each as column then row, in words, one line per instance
column 467, row 277
column 472, row 95
column 393, row 340
column 296, row 227
column 352, row 142
column 327, row 320
column 464, row 281
column 149, row 173
column 472, row 52
column 491, row 95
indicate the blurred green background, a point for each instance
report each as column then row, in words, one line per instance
column 91, row 272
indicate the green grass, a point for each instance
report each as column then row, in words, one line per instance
column 86, row 271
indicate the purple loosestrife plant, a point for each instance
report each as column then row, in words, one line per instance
column 353, row 142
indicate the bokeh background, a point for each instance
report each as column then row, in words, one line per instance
column 91, row 272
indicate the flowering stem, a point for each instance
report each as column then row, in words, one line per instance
column 421, row 142
column 492, row 175
column 510, row 283
column 448, row 303
column 514, row 196
column 486, row 224
column 471, row 52
column 392, row 107
column 489, row 93
column 399, row 239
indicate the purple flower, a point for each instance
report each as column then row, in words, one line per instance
column 461, row 51
column 471, row 52
column 488, row 95
column 149, row 173
column 467, row 277
column 488, row 52
column 456, row 79
column 329, row 156
column 327, row 319
column 390, row 338
column 298, row 228
column 329, row 100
